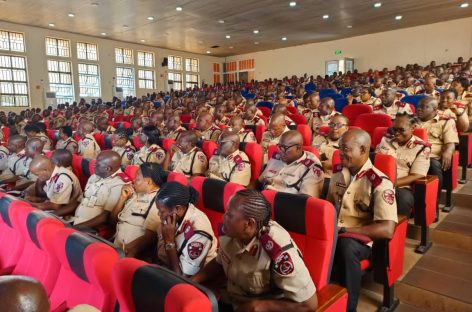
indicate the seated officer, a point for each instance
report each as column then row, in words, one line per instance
column 367, row 98
column 442, row 134
column 337, row 126
column 174, row 128
column 4, row 152
column 16, row 148
column 151, row 151
column 412, row 155
column 206, row 128
column 250, row 116
column 33, row 148
column 122, row 145
column 220, row 115
column 66, row 141
column 61, row 186
column 282, row 109
column 449, row 108
column 135, row 214
column 48, row 145
column 389, row 104
column 186, row 242
column 228, row 163
column 357, row 187
column 429, row 88
column 23, row 294
column 102, row 191
column 188, row 158
column 103, row 127
column 277, row 127
column 33, row 131
column 88, row 147
column 245, row 135
column 291, row 169
column 245, row 237
column 325, row 113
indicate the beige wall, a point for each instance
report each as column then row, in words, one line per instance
column 443, row 42
column 37, row 61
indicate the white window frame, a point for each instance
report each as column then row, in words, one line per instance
column 146, row 59
column 189, row 83
column 89, row 75
column 177, row 85
column 64, row 47
column 146, row 79
column 121, row 57
column 174, row 62
column 192, row 65
column 88, row 50
column 10, row 43
column 128, row 90
column 16, row 99
column 54, row 86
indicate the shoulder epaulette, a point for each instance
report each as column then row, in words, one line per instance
column 421, row 142
column 123, row 176
column 459, row 105
column 373, row 177
column 272, row 249
column 444, row 117
column 238, row 159
column 400, row 104
column 468, row 95
column 308, row 162
column 337, row 168
column 377, row 107
column 153, row 149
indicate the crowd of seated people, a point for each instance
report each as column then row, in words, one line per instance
column 161, row 133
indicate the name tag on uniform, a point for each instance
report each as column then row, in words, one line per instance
column 92, row 201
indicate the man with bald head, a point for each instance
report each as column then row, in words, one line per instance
column 245, row 135
column 208, row 130
column 228, row 163
column 291, row 169
column 326, row 111
column 102, row 192
column 428, row 88
column 365, row 201
column 251, row 117
column 188, row 158
column 88, row 147
column 276, row 128
column 22, row 294
column 174, row 128
column 390, row 105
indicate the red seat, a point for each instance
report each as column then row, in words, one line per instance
column 6, row 133
column 131, row 171
column 85, row 274
column 92, row 166
column 192, row 126
column 53, row 135
column 167, row 143
column 297, row 118
column 214, row 197
column 118, row 118
column 254, row 152
column 208, row 148
column 370, row 121
column 273, row 148
column 107, row 141
column 122, row 124
column 292, row 110
column 144, row 287
column 311, row 224
column 185, row 118
column 46, row 123
column 177, row 177
column 38, row 228
column 265, row 110
column 99, row 138
column 77, row 169
column 354, row 110
column 137, row 143
column 306, row 133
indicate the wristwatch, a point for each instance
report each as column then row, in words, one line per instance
column 169, row 246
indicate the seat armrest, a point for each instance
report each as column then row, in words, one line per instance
column 425, row 190
column 332, row 298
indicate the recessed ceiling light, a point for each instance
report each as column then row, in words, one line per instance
column 464, row 5
column 71, row 15
column 256, row 42
column 292, row 4
column 142, row 40
column 103, row 33
column 349, row 26
column 179, row 8
column 255, row 31
column 231, row 47
column 52, row 25
column 284, row 38
column 95, row 4
column 150, row 18
column 377, row 4
column 228, row 37
column 208, row 52
column 221, row 21
column 398, row 17
column 326, row 16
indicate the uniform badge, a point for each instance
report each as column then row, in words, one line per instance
column 388, row 196
column 201, row 157
column 284, row 264
column 194, row 250
column 317, row 171
column 58, row 186
column 269, row 245
column 129, row 155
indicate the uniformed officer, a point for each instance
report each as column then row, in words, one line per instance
column 48, row 144
column 428, row 88
column 325, row 113
column 442, row 134
column 122, row 145
column 276, row 128
column 291, row 169
column 174, row 127
column 151, row 151
column 311, row 107
column 208, row 130
column 461, row 85
column 262, row 264
column 282, row 109
column 389, row 104
column 188, row 158
column 66, row 141
column 452, row 109
column 103, row 127
column 367, row 98
column 357, row 187
column 4, row 153
column 33, row 148
column 337, row 126
column 412, row 155
column 250, row 116
column 136, row 210
column 186, row 242
column 229, row 163
column 220, row 115
column 58, row 120
column 16, row 147
column 88, row 146
column 102, row 192
column 34, row 131
column 245, row 135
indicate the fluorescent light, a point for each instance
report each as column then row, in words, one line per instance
column 179, row 8
column 326, row 16
column 377, row 4
column 292, row 4
column 398, row 17
column 349, row 26
column 142, row 40
column 255, row 31
column 228, row 37
column 52, row 25
column 221, row 21
column 71, row 15
column 256, row 42
column 464, row 5
column 208, row 52
column 231, row 47
column 284, row 38
column 150, row 18
column 103, row 33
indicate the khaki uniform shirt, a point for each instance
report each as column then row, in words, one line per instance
column 392, row 111
column 373, row 101
column 252, row 270
column 234, row 168
column 256, row 121
column 153, row 153
column 4, row 153
column 126, row 153
column 303, row 176
column 48, row 145
column 138, row 214
column 366, row 197
column 193, row 163
column 319, row 120
column 101, row 194
column 201, row 244
column 88, row 147
column 174, row 135
column 328, row 147
column 212, row 133
column 412, row 158
column 23, row 171
column 466, row 99
column 12, row 165
column 268, row 140
column 246, row 136
column 63, row 187
column 70, row 144
column 440, row 132
column 58, row 122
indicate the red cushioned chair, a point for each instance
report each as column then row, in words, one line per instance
column 38, row 228
column 118, row 118
column 254, row 152
column 123, row 124
column 6, row 133
column 137, row 143
column 85, row 275
column 77, row 169
column 208, row 148
column 370, row 121
column 76, row 137
column 53, row 135
column 292, row 110
column 10, row 236
column 192, row 126
column 107, row 141
column 144, row 287
column 131, row 170
column 185, row 118
column 92, row 163
column 311, row 224
column 265, row 110
column 46, row 123
column 273, row 148
column 465, row 154
column 177, row 177
column 297, row 118
column 306, row 133
column 214, row 197
column 451, row 179
column 354, row 110
column 99, row 138
column 167, row 143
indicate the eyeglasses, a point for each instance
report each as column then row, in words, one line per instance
column 400, row 130
column 336, row 124
column 223, row 142
column 284, row 148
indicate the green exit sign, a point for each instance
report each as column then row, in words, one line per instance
column 337, row 52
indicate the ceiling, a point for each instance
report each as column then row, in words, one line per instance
column 199, row 25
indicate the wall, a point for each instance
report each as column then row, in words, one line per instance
column 37, row 61
column 443, row 42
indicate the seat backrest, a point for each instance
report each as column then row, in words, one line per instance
column 52, row 135
column 177, row 177
column 379, row 132
column 253, row 151
column 413, row 99
column 131, row 171
column 292, row 110
column 354, row 110
column 192, row 126
column 311, row 222
column 306, row 133
column 185, row 118
column 421, row 133
column 137, row 143
column 6, row 133
column 107, row 141
column 124, row 124
column 208, row 148
column 213, row 197
column 326, row 92
column 85, row 276
column 167, row 143
column 92, row 166
column 257, row 130
column 370, row 121
column 99, row 138
column 265, row 110
column 143, row 287
column 118, row 118
column 339, row 103
column 297, row 118
column 77, row 169
column 346, row 91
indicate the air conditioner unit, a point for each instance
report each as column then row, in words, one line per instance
column 51, row 99
column 118, row 92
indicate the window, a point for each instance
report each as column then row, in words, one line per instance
column 174, row 62
column 146, row 79
column 12, row 41
column 13, row 81
column 124, row 56
column 57, row 47
column 177, row 80
column 125, row 80
column 191, row 65
column 89, row 80
column 146, row 59
column 87, row 51
column 60, row 80
column 191, row 80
